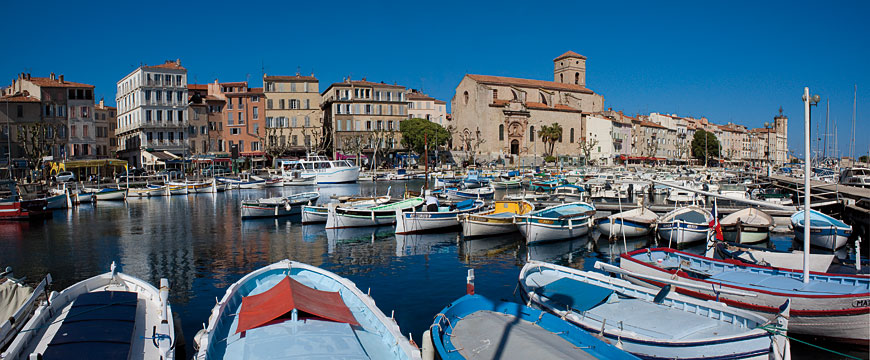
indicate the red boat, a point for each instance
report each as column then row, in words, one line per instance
column 13, row 208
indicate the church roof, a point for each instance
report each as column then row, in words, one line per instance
column 569, row 54
column 529, row 83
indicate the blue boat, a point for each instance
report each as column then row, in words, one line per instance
column 825, row 231
column 652, row 323
column 475, row 327
column 293, row 310
column 558, row 222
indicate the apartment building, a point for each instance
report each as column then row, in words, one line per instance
column 422, row 106
column 294, row 119
column 152, row 104
column 64, row 104
column 243, row 117
column 105, row 119
column 19, row 110
column 358, row 114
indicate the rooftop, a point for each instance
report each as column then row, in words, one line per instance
column 290, row 78
column 169, row 64
column 529, row 83
column 366, row 83
column 56, row 82
column 569, row 54
column 19, row 97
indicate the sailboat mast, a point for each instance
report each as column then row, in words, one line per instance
column 827, row 118
column 854, row 116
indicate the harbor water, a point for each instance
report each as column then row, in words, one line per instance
column 202, row 246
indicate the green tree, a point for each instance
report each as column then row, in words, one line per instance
column 415, row 133
column 705, row 145
column 550, row 134
column 863, row 158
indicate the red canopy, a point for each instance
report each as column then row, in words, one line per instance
column 258, row 310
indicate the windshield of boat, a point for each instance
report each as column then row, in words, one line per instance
column 860, row 172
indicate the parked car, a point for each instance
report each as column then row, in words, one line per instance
column 65, row 176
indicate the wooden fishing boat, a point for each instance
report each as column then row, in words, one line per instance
column 631, row 223
column 108, row 316
column 558, row 222
column 343, row 217
column 513, row 182
column 149, row 191
column 831, row 306
column 277, row 206
column 747, row 226
column 445, row 217
column 294, row 310
column 202, row 187
column 474, row 327
column 652, row 323
column 685, row 225
column 499, row 220
column 12, row 207
column 314, row 214
column 754, row 255
column 58, row 201
column 825, row 231
column 111, row 194
column 17, row 302
column 568, row 192
column 485, row 192
column 544, row 185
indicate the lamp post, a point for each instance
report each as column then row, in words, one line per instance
column 808, row 102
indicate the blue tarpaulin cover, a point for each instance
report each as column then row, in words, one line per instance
column 578, row 295
column 99, row 325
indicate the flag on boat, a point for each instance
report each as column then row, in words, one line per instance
column 714, row 224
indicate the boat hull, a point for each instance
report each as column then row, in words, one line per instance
column 682, row 233
column 620, row 227
column 745, row 234
column 479, row 226
column 314, row 214
column 115, row 195
column 537, row 230
column 826, row 238
column 250, row 211
column 413, row 222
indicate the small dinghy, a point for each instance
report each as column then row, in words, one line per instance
column 568, row 192
column 312, row 214
column 17, row 301
column 176, row 188
column 277, row 206
column 528, row 196
column 747, row 226
column 292, row 310
column 829, row 305
column 825, row 231
column 631, row 223
column 443, row 217
column 685, row 225
column 149, row 191
column 111, row 194
column 485, row 192
column 345, row 217
column 499, row 220
column 513, row 182
column 109, row 316
column 556, row 222
column 474, row 327
column 652, row 323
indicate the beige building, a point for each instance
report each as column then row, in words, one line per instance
column 497, row 116
column 422, row 106
column 647, row 140
column 358, row 114
column 294, row 120
column 105, row 122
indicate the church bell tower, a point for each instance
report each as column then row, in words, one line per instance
column 570, row 68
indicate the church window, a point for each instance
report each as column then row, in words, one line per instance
column 465, row 96
column 543, row 99
column 572, row 135
column 561, row 78
column 577, row 78
column 532, row 133
column 501, row 132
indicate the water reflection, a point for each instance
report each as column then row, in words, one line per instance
column 561, row 252
column 477, row 248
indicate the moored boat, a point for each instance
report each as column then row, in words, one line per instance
column 314, row 214
column 443, row 217
column 631, row 223
column 293, row 310
column 825, row 231
column 17, row 302
column 344, row 216
column 277, row 206
column 499, row 220
column 685, row 225
column 12, row 207
column 474, row 327
column 113, row 315
column 652, row 323
column 324, row 170
column 828, row 305
column 485, row 192
column 747, row 226
column 558, row 222
column 111, row 194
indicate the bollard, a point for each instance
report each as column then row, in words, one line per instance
column 469, row 282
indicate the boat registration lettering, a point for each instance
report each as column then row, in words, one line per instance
column 548, row 222
column 861, row 303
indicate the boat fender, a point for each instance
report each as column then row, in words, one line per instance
column 197, row 339
column 662, row 294
column 428, row 350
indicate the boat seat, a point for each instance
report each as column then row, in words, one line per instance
column 578, row 295
column 99, row 325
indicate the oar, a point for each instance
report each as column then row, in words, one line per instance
column 607, row 267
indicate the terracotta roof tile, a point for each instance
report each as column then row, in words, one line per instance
column 651, row 124
column 48, row 82
column 569, row 54
column 18, row 98
column 366, row 83
column 167, row 65
column 290, row 78
column 564, row 107
column 499, row 102
column 536, row 105
column 197, row 87
column 442, row 102
column 509, row 81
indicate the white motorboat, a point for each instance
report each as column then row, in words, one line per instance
column 324, row 170
column 855, row 177
column 631, row 223
column 747, row 226
column 108, row 316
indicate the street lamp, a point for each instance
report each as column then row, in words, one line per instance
column 809, row 101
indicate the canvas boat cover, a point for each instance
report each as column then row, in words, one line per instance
column 578, row 295
column 492, row 335
column 288, row 294
column 99, row 325
column 12, row 296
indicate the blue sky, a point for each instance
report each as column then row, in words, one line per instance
column 729, row 61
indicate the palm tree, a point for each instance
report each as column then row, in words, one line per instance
column 550, row 135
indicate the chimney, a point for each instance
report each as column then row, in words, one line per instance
column 51, row 76
column 364, row 78
column 178, row 62
column 28, row 76
column 61, row 78
column 101, row 103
